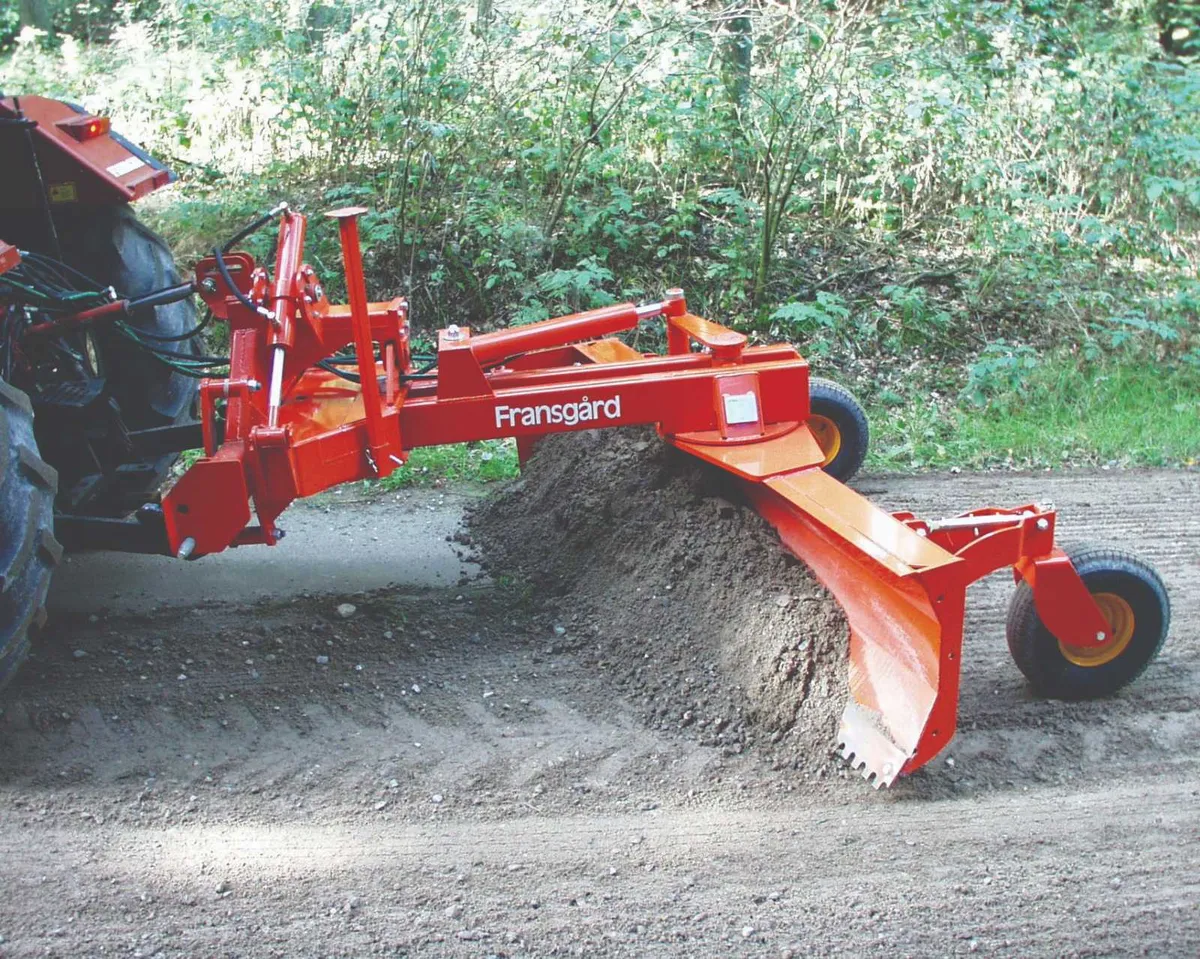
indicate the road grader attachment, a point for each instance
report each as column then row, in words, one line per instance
column 317, row 394
column 297, row 418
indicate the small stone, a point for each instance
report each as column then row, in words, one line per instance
column 416, row 688
column 388, row 634
column 182, row 676
column 380, row 805
column 322, row 660
column 223, row 887
column 747, row 932
column 560, row 631
column 346, row 610
column 453, row 912
column 435, row 798
column 79, row 653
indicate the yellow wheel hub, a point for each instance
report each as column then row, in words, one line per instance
column 1120, row 631
column 827, row 435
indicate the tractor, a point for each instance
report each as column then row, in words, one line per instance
column 104, row 382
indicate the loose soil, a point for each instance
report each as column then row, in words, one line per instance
column 683, row 593
column 473, row 770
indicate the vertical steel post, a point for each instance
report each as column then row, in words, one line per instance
column 356, row 287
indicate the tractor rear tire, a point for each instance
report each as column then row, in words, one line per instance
column 838, row 422
column 1131, row 595
column 28, row 550
column 117, row 249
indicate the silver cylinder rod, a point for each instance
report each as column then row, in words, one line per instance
column 275, row 397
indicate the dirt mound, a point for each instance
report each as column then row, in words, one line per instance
column 683, row 594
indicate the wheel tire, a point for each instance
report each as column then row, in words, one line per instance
column 1139, row 617
column 840, row 426
column 28, row 550
column 117, row 249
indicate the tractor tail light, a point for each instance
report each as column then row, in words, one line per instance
column 85, row 128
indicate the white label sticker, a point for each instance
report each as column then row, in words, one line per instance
column 125, row 166
column 741, row 408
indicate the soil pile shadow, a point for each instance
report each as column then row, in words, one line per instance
column 681, row 593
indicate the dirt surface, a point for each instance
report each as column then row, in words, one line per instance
column 442, row 771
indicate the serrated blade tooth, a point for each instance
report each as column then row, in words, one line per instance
column 867, row 749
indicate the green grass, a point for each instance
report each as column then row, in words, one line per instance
column 482, row 462
column 1117, row 412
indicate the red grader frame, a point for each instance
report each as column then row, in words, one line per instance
column 296, row 415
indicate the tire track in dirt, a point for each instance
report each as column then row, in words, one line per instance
column 565, row 825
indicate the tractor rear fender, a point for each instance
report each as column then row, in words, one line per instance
column 83, row 162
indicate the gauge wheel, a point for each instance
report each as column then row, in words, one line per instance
column 839, row 425
column 1131, row 596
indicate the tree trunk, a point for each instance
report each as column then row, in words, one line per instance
column 736, row 53
column 36, row 13
column 485, row 13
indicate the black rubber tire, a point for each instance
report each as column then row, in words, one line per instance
column 115, row 248
column 28, row 550
column 1103, row 570
column 838, row 404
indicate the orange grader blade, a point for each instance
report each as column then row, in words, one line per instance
column 902, row 594
column 904, row 607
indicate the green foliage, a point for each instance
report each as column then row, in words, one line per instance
column 1001, row 371
column 804, row 322
column 928, row 194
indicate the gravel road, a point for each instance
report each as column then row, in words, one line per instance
column 353, row 745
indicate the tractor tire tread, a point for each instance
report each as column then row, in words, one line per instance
column 15, row 399
column 28, row 549
column 37, row 470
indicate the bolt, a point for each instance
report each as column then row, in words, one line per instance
column 186, row 548
column 453, row 332
column 208, row 285
column 1101, row 637
column 1043, row 524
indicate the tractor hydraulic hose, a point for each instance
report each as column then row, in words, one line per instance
column 253, row 227
column 180, row 337
column 133, row 333
column 228, row 278
column 172, row 294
